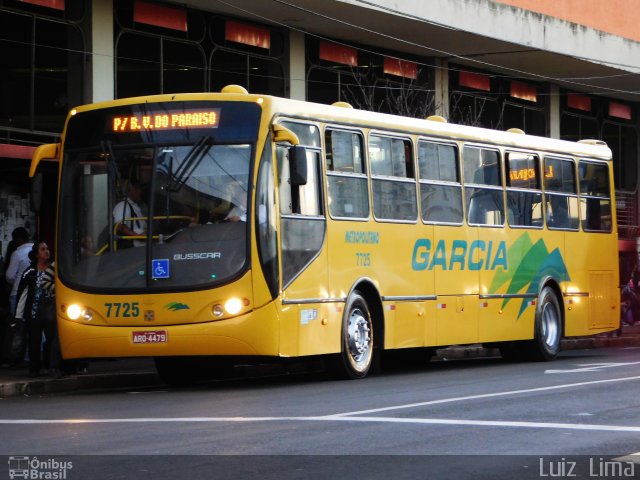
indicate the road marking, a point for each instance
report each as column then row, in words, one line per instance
column 489, row 395
column 592, row 367
column 334, row 418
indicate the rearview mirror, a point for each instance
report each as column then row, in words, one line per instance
column 298, row 165
column 36, row 192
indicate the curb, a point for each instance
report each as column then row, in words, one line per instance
column 31, row 387
column 578, row 343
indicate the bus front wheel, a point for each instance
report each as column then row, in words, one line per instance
column 356, row 356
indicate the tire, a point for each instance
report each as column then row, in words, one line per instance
column 357, row 352
column 547, row 333
column 545, row 345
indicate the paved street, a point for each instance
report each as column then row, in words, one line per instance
column 585, row 404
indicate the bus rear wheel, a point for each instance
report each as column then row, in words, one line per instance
column 548, row 327
column 547, row 332
column 357, row 352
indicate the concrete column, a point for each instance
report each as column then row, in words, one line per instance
column 102, row 47
column 553, row 112
column 442, row 87
column 297, row 63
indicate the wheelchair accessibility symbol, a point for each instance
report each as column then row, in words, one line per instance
column 160, row 268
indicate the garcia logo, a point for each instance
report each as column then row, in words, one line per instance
column 459, row 254
column 33, row 468
column 175, row 306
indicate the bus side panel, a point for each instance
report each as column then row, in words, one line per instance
column 405, row 321
column 596, row 307
column 457, row 285
column 498, row 318
column 307, row 327
column 501, row 322
column 457, row 319
column 386, row 254
column 602, row 311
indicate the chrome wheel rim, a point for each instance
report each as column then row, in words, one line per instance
column 359, row 342
column 550, row 325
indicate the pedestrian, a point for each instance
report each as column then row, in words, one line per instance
column 36, row 305
column 635, row 278
column 18, row 263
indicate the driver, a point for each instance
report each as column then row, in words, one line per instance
column 127, row 214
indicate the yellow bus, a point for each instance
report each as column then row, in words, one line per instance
column 211, row 228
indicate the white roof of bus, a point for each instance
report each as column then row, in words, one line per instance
column 340, row 115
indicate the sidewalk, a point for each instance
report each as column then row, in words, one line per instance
column 140, row 372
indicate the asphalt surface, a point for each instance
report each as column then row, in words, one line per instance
column 140, row 372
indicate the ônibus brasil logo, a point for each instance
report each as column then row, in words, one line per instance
column 38, row 469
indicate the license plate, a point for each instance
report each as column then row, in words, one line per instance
column 150, row 336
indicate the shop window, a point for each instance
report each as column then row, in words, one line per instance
column 183, row 67
column 623, row 142
column 256, row 74
column 138, row 65
column 149, row 65
column 15, row 68
column 42, row 69
column 474, row 110
column 531, row 120
column 59, row 64
column 578, row 127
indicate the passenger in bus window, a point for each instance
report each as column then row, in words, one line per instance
column 238, row 212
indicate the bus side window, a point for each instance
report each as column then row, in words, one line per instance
column 595, row 197
column 346, row 175
column 524, row 195
column 485, row 201
column 392, row 183
column 440, row 187
column 561, row 198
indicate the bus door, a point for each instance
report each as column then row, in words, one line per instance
column 302, row 241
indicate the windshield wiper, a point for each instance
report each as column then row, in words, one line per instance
column 190, row 163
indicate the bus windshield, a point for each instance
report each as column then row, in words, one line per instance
column 164, row 213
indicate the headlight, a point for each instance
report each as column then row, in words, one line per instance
column 233, row 306
column 75, row 311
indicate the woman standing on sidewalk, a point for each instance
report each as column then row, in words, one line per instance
column 36, row 304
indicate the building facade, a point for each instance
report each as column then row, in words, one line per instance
column 566, row 69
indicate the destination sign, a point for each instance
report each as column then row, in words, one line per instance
column 165, row 121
